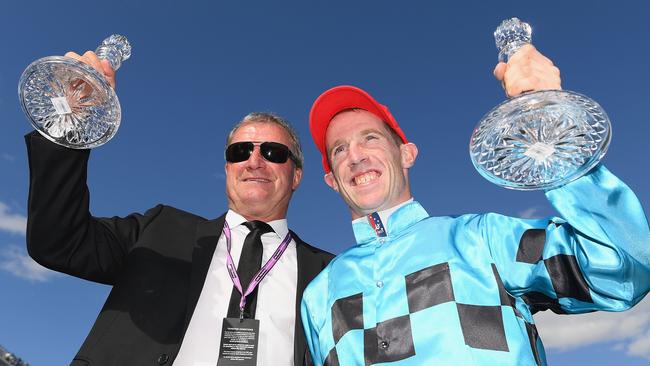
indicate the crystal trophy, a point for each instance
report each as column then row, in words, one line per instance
column 69, row 102
column 537, row 140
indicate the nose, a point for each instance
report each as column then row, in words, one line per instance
column 356, row 154
column 255, row 161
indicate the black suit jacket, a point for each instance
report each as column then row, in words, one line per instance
column 156, row 262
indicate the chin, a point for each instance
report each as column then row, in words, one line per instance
column 256, row 199
column 369, row 208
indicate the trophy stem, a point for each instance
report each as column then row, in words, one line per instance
column 115, row 49
column 510, row 36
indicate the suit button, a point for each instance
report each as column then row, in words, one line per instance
column 383, row 345
column 163, row 359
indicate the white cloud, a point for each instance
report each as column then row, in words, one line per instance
column 534, row 212
column 15, row 260
column 11, row 222
column 7, row 157
column 630, row 329
column 640, row 346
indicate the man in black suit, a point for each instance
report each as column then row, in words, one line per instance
column 168, row 268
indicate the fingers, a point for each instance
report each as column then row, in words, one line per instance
column 91, row 59
column 109, row 73
column 499, row 71
column 102, row 66
column 528, row 70
column 532, row 79
column 72, row 55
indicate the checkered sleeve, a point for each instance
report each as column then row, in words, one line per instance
column 595, row 257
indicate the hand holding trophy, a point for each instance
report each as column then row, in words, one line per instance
column 537, row 140
column 69, row 102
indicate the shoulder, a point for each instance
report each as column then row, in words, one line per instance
column 439, row 225
column 166, row 218
column 161, row 211
column 173, row 211
column 466, row 221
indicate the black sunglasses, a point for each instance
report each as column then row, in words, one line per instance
column 271, row 151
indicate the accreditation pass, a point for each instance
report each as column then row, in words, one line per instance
column 239, row 339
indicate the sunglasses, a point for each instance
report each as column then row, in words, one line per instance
column 271, row 151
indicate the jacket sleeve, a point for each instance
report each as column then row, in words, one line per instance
column 61, row 233
column 595, row 256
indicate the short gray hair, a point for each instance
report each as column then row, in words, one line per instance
column 267, row 117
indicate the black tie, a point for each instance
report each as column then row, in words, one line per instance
column 250, row 262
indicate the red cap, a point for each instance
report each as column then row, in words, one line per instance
column 340, row 98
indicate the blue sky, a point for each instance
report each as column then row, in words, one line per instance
column 197, row 67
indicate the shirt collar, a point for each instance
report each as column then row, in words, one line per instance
column 279, row 226
column 395, row 219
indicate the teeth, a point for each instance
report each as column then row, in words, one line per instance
column 365, row 178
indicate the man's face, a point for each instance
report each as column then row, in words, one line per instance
column 369, row 169
column 259, row 189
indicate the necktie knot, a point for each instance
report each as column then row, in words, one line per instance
column 260, row 226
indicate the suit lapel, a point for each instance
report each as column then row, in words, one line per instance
column 309, row 265
column 206, row 238
column 207, row 235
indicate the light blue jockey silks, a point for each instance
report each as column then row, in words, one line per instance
column 462, row 290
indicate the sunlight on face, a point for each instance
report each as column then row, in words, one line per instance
column 256, row 188
column 369, row 170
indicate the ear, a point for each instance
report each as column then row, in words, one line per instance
column 409, row 153
column 297, row 177
column 331, row 181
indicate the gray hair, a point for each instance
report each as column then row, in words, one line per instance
column 266, row 117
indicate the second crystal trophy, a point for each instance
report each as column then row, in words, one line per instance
column 69, row 102
column 538, row 140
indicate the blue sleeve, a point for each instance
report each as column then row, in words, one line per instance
column 310, row 307
column 595, row 257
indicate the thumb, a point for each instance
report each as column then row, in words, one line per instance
column 499, row 71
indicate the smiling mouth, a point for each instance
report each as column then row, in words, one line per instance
column 257, row 180
column 365, row 178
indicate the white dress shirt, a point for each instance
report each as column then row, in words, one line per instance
column 276, row 301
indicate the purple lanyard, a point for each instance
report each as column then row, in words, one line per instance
column 234, row 276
